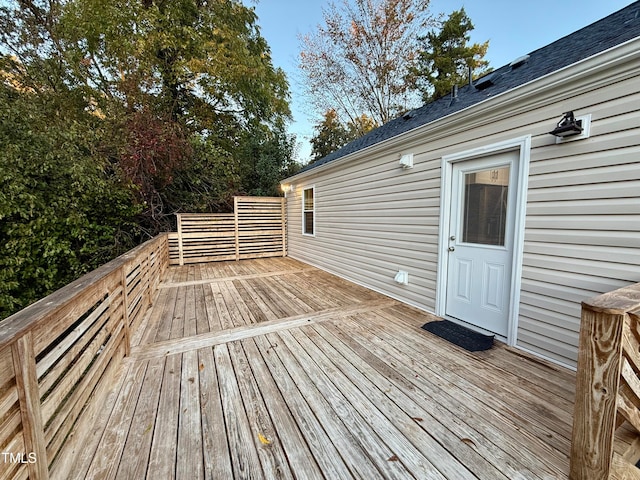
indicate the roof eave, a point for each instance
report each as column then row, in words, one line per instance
column 492, row 108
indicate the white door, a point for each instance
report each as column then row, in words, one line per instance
column 481, row 241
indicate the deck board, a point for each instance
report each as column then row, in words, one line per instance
column 541, row 413
column 140, row 434
column 325, row 406
column 270, row 368
column 287, row 432
column 389, row 424
column 444, row 437
column 162, row 455
column 452, row 401
column 107, row 458
column 244, row 455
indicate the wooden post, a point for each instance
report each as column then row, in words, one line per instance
column 125, row 313
column 180, row 251
column 235, row 216
column 598, row 382
column 283, row 222
column 148, row 273
column 24, row 361
column 148, row 280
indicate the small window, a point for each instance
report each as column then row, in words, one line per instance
column 308, row 211
column 485, row 206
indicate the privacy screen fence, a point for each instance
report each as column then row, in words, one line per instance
column 256, row 229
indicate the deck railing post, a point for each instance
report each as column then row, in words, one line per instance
column 283, row 223
column 598, row 381
column 147, row 278
column 24, row 360
column 180, row 248
column 236, row 221
column 125, row 312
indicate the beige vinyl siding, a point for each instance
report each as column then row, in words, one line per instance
column 582, row 226
column 582, row 234
column 372, row 219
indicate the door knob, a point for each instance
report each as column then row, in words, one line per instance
column 451, row 249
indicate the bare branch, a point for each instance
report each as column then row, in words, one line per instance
column 358, row 60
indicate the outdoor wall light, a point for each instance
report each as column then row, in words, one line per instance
column 287, row 188
column 568, row 126
column 406, row 160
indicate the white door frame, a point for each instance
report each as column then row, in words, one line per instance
column 523, row 145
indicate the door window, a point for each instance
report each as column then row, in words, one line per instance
column 485, row 206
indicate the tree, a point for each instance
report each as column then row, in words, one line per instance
column 331, row 133
column 446, row 57
column 266, row 158
column 198, row 61
column 164, row 75
column 359, row 59
column 199, row 69
column 119, row 111
column 330, row 136
column 360, row 126
column 191, row 190
column 63, row 209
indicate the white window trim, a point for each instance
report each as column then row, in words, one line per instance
column 310, row 187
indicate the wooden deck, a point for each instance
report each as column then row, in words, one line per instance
column 273, row 369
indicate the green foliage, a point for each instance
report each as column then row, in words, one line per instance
column 447, row 57
column 331, row 133
column 191, row 79
column 192, row 191
column 330, row 136
column 62, row 213
column 265, row 159
column 121, row 111
column 195, row 61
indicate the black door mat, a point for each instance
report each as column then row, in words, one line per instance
column 459, row 335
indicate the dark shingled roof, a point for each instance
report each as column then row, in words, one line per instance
column 606, row 33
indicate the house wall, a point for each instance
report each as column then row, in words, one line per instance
column 372, row 219
column 582, row 235
column 582, row 228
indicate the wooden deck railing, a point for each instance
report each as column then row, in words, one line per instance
column 56, row 353
column 607, row 387
column 256, row 229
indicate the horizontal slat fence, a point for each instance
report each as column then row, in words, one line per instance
column 256, row 228
column 607, row 387
column 260, row 226
column 12, row 440
column 55, row 353
column 203, row 238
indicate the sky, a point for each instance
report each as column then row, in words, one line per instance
column 512, row 28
